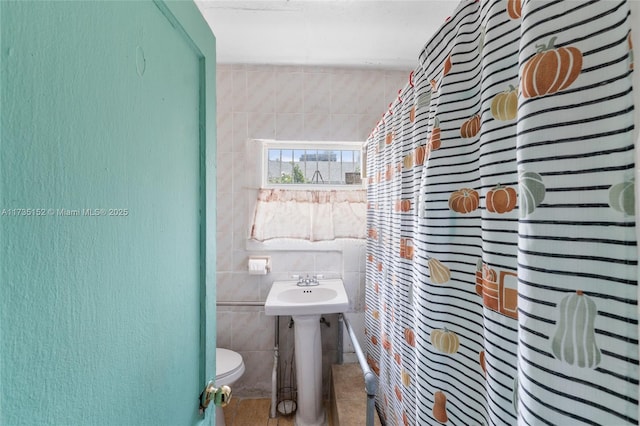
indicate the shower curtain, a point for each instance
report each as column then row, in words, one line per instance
column 501, row 246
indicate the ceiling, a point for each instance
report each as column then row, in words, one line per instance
column 353, row 33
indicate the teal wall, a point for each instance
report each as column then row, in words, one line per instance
column 106, row 105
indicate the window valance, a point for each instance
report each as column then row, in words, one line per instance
column 309, row 214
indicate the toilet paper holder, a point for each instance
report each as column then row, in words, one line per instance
column 259, row 265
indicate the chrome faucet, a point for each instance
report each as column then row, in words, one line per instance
column 308, row 281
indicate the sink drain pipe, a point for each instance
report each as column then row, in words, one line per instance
column 274, row 374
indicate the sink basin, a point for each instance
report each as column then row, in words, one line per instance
column 287, row 298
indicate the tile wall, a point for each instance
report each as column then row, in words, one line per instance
column 283, row 103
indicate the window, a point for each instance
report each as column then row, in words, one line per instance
column 312, row 163
column 310, row 191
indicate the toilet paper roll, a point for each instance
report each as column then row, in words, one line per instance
column 257, row 266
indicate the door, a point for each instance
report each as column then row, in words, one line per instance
column 108, row 123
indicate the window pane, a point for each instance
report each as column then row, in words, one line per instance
column 274, row 168
column 313, row 166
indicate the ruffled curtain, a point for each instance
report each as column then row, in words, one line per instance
column 309, row 214
column 502, row 256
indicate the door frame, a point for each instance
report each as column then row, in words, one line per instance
column 188, row 21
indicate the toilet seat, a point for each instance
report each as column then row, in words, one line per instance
column 229, row 366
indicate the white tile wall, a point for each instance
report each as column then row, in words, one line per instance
column 285, row 103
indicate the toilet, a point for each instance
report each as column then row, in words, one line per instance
column 229, row 368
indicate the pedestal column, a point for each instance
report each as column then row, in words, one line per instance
column 308, row 355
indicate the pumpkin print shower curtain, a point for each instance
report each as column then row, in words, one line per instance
column 501, row 254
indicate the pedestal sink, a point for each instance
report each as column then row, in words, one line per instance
column 306, row 302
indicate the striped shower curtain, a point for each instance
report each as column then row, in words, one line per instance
column 501, row 254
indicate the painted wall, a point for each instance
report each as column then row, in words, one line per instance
column 285, row 103
column 104, row 125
